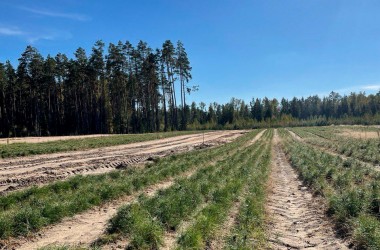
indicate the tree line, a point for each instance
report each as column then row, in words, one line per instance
column 134, row 89
column 129, row 89
column 356, row 108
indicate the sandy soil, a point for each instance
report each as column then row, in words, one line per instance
column 359, row 134
column 23, row 172
column 47, row 138
column 297, row 220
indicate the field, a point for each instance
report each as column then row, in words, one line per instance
column 292, row 188
column 21, row 172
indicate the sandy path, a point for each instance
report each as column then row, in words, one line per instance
column 26, row 171
column 296, row 219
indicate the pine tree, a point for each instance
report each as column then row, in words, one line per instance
column 183, row 70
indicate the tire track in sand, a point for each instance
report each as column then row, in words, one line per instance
column 296, row 219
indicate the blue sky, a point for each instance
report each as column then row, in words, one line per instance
column 237, row 48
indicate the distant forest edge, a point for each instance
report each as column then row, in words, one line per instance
column 134, row 90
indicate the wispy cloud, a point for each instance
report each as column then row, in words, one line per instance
column 357, row 88
column 371, row 87
column 44, row 12
column 50, row 36
column 10, row 31
column 368, row 87
column 34, row 36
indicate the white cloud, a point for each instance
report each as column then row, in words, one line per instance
column 10, row 31
column 51, row 36
column 34, row 36
column 44, row 12
column 358, row 88
column 371, row 87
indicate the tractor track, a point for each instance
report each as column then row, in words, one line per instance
column 297, row 220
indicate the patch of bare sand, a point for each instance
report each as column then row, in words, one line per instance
column 359, row 134
column 296, row 219
column 47, row 138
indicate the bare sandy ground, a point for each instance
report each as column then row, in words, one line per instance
column 297, row 220
column 47, row 138
column 23, row 172
column 359, row 134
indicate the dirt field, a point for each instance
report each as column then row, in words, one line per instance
column 359, row 134
column 46, row 138
column 26, row 171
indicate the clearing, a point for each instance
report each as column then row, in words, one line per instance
column 294, row 188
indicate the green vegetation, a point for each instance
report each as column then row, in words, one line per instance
column 205, row 196
column 249, row 230
column 23, row 149
column 352, row 190
column 331, row 138
column 27, row 211
column 252, row 176
column 207, row 185
column 126, row 88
